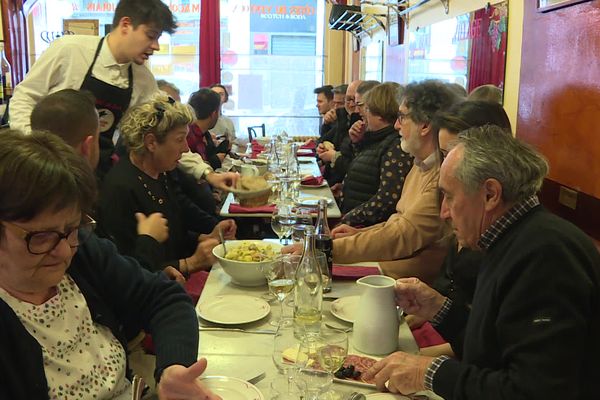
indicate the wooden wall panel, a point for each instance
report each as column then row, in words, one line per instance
column 559, row 100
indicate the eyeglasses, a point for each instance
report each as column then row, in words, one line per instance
column 349, row 99
column 403, row 116
column 42, row 242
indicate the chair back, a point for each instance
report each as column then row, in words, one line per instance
column 252, row 131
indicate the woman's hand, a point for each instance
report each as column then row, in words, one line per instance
column 180, row 383
column 357, row 131
column 224, row 180
column 154, row 225
column 343, row 231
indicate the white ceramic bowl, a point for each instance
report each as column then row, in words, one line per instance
column 243, row 273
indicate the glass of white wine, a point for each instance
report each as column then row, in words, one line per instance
column 283, row 221
column 280, row 274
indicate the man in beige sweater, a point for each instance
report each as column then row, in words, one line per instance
column 413, row 241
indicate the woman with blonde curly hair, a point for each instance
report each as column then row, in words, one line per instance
column 142, row 184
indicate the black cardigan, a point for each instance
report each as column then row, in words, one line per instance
column 534, row 328
column 121, row 296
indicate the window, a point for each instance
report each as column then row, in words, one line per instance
column 272, row 60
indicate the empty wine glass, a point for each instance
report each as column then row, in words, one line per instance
column 319, row 356
column 280, row 274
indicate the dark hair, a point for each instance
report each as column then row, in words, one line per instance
column 468, row 114
column 486, row 93
column 147, row 12
column 341, row 89
column 365, row 86
column 224, row 89
column 327, row 90
column 425, row 99
column 204, row 102
column 458, row 89
column 68, row 113
column 40, row 172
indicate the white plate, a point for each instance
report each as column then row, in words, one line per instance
column 231, row 388
column 344, row 308
column 305, row 160
column 386, row 396
column 313, row 201
column 324, row 183
column 305, row 152
column 233, row 309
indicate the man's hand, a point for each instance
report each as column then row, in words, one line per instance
column 228, row 228
column 343, row 231
column 327, row 156
column 330, row 116
column 404, row 373
column 174, row 275
column 203, row 257
column 295, row 248
column 224, row 180
column 417, row 298
column 155, row 225
column 179, row 382
column 337, row 190
column 357, row 131
column 414, row 322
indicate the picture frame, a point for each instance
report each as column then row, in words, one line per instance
column 550, row 5
column 81, row 26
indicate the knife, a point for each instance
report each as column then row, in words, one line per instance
column 257, row 331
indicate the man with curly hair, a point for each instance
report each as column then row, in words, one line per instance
column 413, row 241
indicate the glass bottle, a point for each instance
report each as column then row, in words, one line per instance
column 7, row 88
column 324, row 243
column 308, row 289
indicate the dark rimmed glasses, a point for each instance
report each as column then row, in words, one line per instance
column 42, row 242
column 403, row 116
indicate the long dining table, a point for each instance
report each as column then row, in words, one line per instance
column 308, row 166
column 245, row 355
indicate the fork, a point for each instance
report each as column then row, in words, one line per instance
column 137, row 387
column 222, row 239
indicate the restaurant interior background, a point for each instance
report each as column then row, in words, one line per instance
column 272, row 58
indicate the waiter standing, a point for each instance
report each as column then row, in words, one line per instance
column 113, row 69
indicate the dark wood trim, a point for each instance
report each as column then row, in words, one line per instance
column 586, row 215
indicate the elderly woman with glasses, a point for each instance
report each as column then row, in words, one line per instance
column 155, row 136
column 68, row 301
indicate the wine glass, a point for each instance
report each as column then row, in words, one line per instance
column 280, row 275
column 282, row 221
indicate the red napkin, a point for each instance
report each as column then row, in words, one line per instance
column 257, row 146
column 237, row 209
column 312, row 180
column 426, row 336
column 350, row 272
column 310, row 145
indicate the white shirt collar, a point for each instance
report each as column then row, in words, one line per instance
column 106, row 57
column 428, row 162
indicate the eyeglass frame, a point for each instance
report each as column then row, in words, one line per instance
column 27, row 235
column 403, row 116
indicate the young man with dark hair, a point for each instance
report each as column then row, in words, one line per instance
column 207, row 105
column 112, row 69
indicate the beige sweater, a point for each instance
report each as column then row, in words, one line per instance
column 413, row 241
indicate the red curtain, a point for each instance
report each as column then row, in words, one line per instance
column 15, row 39
column 210, row 43
column 488, row 48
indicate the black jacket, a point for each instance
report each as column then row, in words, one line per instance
column 121, row 296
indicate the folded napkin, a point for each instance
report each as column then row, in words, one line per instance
column 237, row 209
column 426, row 336
column 312, row 180
column 310, row 145
column 257, row 146
column 353, row 272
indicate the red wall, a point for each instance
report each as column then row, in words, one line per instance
column 559, row 103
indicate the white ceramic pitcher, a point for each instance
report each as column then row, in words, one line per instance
column 377, row 320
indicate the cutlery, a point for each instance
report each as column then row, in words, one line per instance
column 222, row 239
column 257, row 331
column 356, row 396
column 137, row 387
column 339, row 328
column 257, row 378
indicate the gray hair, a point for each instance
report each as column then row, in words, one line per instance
column 159, row 116
column 490, row 153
